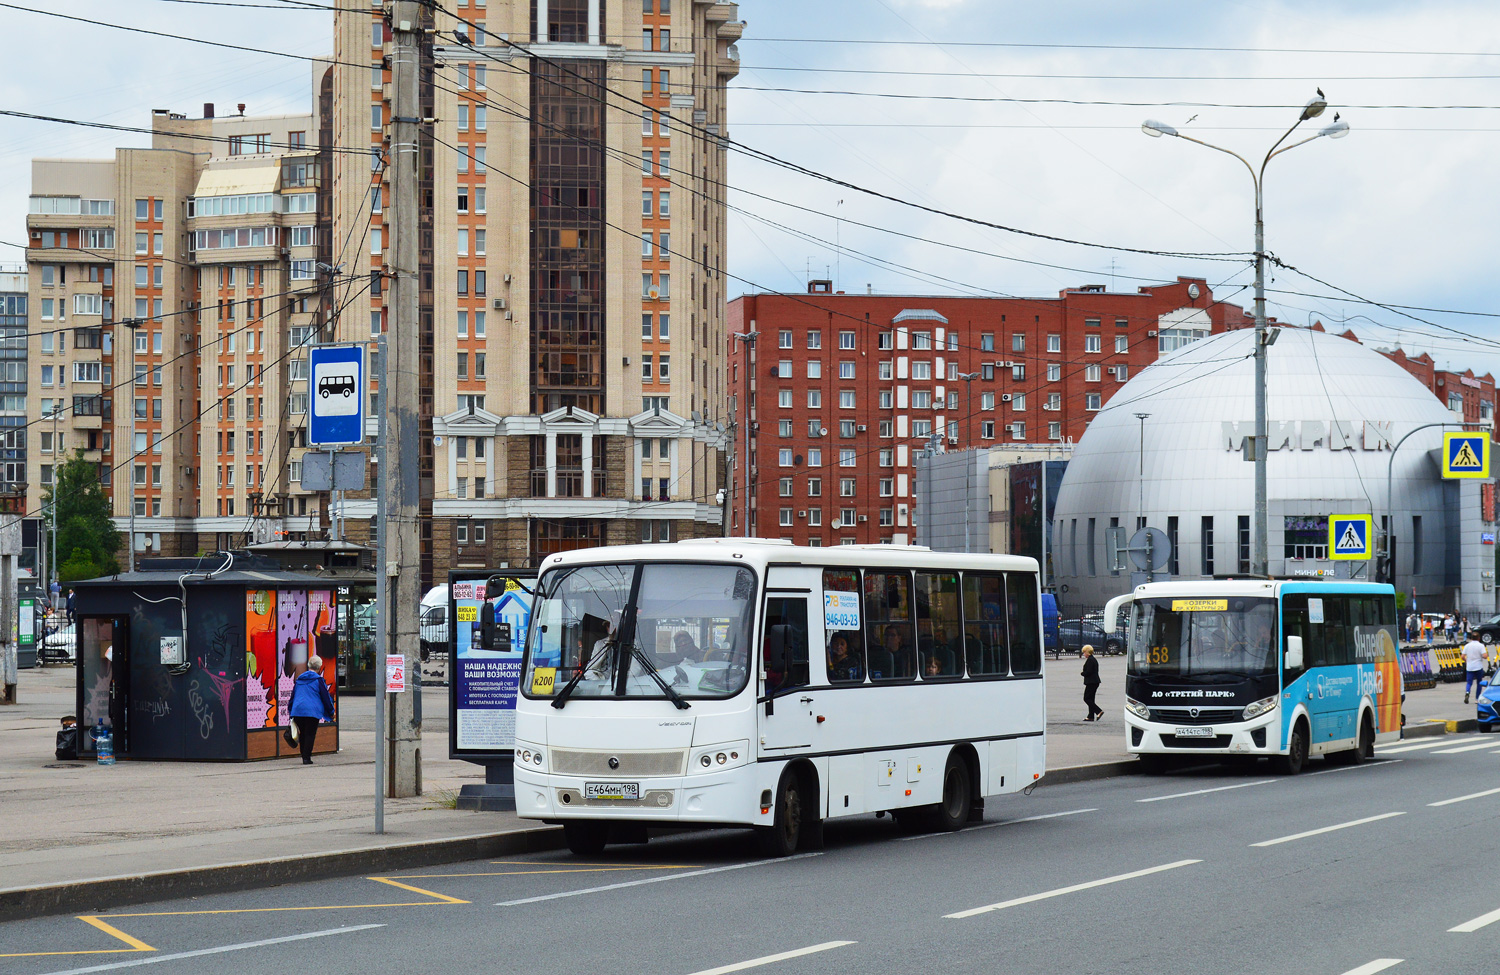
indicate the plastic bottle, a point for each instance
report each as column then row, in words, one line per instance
column 104, row 745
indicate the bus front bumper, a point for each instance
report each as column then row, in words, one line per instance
column 717, row 797
column 1260, row 736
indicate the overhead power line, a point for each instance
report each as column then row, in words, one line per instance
column 1022, row 45
column 994, row 99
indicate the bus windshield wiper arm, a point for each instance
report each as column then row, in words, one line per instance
column 562, row 695
column 666, row 688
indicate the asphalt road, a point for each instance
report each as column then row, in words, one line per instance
column 1387, row 866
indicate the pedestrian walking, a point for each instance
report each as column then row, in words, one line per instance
column 1476, row 657
column 70, row 607
column 1450, row 627
column 310, row 704
column 1411, row 627
column 1427, row 625
column 1091, row 683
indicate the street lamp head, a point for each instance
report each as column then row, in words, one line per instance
column 968, row 376
column 1337, row 130
column 1156, row 129
column 1314, row 107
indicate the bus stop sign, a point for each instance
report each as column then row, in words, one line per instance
column 337, row 393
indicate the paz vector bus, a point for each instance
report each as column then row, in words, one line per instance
column 1281, row 669
column 753, row 683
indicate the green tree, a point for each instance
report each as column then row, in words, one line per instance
column 84, row 527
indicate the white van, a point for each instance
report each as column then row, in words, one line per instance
column 432, row 627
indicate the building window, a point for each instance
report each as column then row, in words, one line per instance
column 1092, row 343
column 815, row 520
column 814, row 369
column 1018, row 430
column 1018, row 373
column 1018, row 342
column 1091, row 402
column 784, row 399
column 786, row 518
column 921, row 371
column 814, row 399
column 1122, row 373
column 887, row 428
column 1122, row 343
column 846, row 369
column 846, row 340
column 784, row 428
column 886, row 398
column 1206, row 544
column 887, row 487
column 846, row 399
column 784, row 456
column 786, row 487
column 646, row 366
column 846, row 487
column 885, row 341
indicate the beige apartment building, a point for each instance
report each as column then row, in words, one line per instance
column 190, row 266
column 572, row 240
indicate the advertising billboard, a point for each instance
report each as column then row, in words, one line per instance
column 488, row 615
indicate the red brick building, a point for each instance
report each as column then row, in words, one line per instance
column 843, row 390
column 1462, row 392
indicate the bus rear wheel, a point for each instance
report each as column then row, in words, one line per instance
column 1365, row 750
column 586, row 838
column 950, row 815
column 1296, row 753
column 780, row 839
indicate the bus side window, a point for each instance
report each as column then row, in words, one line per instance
column 890, row 645
column 1025, row 628
column 939, row 626
column 1294, row 623
column 985, row 643
column 851, row 670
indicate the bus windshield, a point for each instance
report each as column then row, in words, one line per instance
column 1201, row 638
column 670, row 630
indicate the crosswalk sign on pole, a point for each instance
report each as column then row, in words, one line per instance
column 1466, row 455
column 1350, row 537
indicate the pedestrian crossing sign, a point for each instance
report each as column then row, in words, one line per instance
column 1349, row 537
column 1466, row 455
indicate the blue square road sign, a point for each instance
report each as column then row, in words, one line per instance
column 338, row 390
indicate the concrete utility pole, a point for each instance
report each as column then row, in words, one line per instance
column 401, row 466
column 10, row 554
column 132, row 324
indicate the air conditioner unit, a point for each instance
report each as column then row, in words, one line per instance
column 36, row 235
column 1151, row 334
column 861, row 428
column 507, row 315
column 499, row 304
column 864, row 517
column 1005, row 397
column 802, row 513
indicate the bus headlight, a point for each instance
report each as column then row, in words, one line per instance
column 1260, row 707
column 727, row 755
column 1138, row 709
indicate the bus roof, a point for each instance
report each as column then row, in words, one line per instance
column 768, row 551
column 1255, row 587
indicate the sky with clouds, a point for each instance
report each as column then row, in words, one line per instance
column 1023, row 115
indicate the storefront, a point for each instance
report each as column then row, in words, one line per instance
column 181, row 662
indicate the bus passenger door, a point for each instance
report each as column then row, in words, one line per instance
column 787, row 719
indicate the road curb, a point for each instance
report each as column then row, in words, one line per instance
column 110, row 893
column 1088, row 773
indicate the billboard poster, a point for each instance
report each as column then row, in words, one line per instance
column 291, row 646
column 260, row 658
column 488, row 638
column 322, row 636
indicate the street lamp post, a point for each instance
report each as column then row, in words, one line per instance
column 1388, row 560
column 1314, row 107
column 1141, row 496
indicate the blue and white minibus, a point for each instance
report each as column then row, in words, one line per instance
column 1248, row 668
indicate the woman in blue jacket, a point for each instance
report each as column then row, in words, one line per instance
column 310, row 704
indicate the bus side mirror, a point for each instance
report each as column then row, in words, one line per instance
column 1294, row 653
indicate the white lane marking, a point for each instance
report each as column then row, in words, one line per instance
column 1031, row 898
column 771, row 959
column 1327, row 829
column 177, row 956
column 1376, row 763
column 653, row 880
column 1378, row 965
column 1472, row 795
column 1469, row 927
column 1007, row 822
column 1466, row 748
column 1416, row 746
column 1202, row 792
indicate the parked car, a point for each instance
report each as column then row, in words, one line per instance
column 59, row 646
column 1487, row 709
column 1050, row 640
column 1489, row 630
column 1073, row 634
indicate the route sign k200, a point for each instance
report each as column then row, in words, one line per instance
column 338, row 390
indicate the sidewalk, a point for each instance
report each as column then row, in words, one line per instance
column 252, row 823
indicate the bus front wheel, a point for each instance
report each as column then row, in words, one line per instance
column 780, row 839
column 586, row 838
column 1296, row 753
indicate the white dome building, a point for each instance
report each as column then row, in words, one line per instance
column 1335, row 411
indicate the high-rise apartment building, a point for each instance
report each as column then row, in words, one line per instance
column 576, row 152
column 13, row 356
column 169, row 291
column 844, row 390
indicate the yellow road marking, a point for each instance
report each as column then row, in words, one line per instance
column 136, row 944
column 418, row 890
column 530, row 873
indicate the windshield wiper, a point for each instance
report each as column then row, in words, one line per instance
column 666, row 688
column 562, row 695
